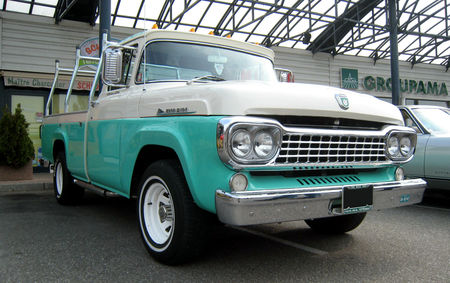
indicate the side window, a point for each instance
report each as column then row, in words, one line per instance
column 129, row 58
column 128, row 63
column 409, row 122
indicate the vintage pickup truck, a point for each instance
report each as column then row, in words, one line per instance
column 194, row 125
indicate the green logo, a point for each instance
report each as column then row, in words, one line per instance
column 349, row 78
column 342, row 100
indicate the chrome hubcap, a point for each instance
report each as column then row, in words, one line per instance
column 59, row 178
column 158, row 211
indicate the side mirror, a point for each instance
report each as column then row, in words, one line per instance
column 112, row 66
column 284, row 75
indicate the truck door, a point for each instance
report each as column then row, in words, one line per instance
column 103, row 139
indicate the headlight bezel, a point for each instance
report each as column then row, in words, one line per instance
column 229, row 128
column 399, row 135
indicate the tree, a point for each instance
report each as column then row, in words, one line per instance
column 16, row 147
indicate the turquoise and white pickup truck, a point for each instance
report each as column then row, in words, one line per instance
column 195, row 125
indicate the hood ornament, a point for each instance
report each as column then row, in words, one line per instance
column 342, row 100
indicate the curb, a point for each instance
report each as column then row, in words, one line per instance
column 40, row 182
column 26, row 187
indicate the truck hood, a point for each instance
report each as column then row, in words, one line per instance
column 263, row 98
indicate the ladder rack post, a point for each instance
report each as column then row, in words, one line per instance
column 72, row 80
column 52, row 90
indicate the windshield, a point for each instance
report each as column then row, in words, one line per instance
column 435, row 120
column 188, row 61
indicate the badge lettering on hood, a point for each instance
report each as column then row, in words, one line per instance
column 174, row 111
column 342, row 100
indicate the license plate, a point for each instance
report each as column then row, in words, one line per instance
column 357, row 199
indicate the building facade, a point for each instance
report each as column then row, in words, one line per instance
column 29, row 46
column 419, row 84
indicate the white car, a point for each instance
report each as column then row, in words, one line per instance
column 432, row 158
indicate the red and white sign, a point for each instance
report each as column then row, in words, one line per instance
column 90, row 47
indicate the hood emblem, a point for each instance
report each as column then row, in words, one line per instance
column 342, row 100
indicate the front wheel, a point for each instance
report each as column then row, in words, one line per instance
column 171, row 225
column 337, row 224
column 66, row 192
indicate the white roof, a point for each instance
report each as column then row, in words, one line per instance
column 157, row 34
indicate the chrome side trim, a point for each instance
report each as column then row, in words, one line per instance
column 281, row 205
column 95, row 189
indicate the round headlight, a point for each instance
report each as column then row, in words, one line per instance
column 392, row 146
column 405, row 146
column 241, row 143
column 263, row 144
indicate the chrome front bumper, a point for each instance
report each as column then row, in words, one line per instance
column 280, row 205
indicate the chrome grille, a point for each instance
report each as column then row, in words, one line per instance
column 304, row 148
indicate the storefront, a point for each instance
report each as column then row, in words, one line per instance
column 31, row 91
column 29, row 46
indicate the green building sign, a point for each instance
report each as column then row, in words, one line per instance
column 406, row 86
column 349, row 78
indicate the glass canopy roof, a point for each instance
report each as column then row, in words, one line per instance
column 352, row 27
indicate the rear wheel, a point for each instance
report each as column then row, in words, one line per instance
column 172, row 226
column 66, row 192
column 337, row 224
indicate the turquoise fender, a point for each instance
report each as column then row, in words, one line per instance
column 193, row 139
column 50, row 134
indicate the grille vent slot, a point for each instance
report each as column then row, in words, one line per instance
column 328, row 180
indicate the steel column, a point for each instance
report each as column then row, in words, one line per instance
column 104, row 7
column 395, row 79
column 105, row 22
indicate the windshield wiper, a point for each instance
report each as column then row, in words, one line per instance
column 208, row 77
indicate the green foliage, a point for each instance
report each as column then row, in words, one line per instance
column 16, row 147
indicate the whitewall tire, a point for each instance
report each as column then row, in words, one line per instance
column 172, row 227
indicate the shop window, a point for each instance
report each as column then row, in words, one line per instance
column 77, row 103
column 32, row 109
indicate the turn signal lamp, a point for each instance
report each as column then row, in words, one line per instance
column 285, row 75
column 399, row 174
column 155, row 26
column 238, row 182
column 192, row 30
